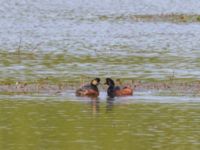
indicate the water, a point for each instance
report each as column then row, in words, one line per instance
column 60, row 121
column 71, row 41
column 103, row 31
column 98, row 125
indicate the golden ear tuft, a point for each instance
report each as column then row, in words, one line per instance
column 94, row 82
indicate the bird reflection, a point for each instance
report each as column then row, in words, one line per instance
column 110, row 104
column 95, row 105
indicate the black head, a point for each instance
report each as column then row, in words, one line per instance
column 109, row 82
column 111, row 88
column 95, row 81
column 98, row 80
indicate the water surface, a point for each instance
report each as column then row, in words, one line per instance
column 94, row 124
column 74, row 41
column 70, row 39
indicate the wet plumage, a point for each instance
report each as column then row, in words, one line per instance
column 89, row 89
column 113, row 90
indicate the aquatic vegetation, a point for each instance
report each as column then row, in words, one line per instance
column 198, row 18
column 171, row 17
column 65, row 71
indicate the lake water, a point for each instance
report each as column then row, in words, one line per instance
column 77, row 40
column 64, row 121
column 83, row 35
column 64, row 124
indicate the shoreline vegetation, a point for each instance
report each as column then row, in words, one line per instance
column 27, row 82
column 46, row 86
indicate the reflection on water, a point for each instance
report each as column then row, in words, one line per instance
column 110, row 103
column 95, row 105
column 98, row 125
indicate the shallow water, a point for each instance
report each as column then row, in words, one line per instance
column 145, row 120
column 98, row 124
column 62, row 120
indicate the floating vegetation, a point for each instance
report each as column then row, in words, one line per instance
column 175, row 18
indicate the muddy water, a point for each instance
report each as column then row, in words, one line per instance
column 72, row 41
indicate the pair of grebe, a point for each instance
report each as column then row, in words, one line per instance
column 112, row 91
